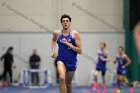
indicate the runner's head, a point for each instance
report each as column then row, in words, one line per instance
column 121, row 50
column 102, row 45
column 65, row 21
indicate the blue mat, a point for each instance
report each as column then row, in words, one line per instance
column 56, row 90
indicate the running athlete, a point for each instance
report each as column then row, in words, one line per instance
column 123, row 61
column 101, row 65
column 69, row 44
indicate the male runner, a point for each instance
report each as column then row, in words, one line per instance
column 123, row 61
column 69, row 44
column 101, row 65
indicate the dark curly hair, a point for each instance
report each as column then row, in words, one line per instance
column 65, row 16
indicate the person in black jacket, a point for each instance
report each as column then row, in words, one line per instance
column 8, row 64
column 34, row 64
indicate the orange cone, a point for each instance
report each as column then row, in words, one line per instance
column 131, row 90
column 5, row 84
column 115, row 90
column 98, row 91
column 87, row 91
column 1, row 84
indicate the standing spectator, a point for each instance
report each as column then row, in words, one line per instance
column 35, row 64
column 8, row 64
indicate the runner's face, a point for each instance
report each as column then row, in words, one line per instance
column 65, row 23
column 120, row 50
column 102, row 46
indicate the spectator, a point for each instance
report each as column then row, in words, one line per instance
column 35, row 64
column 8, row 64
